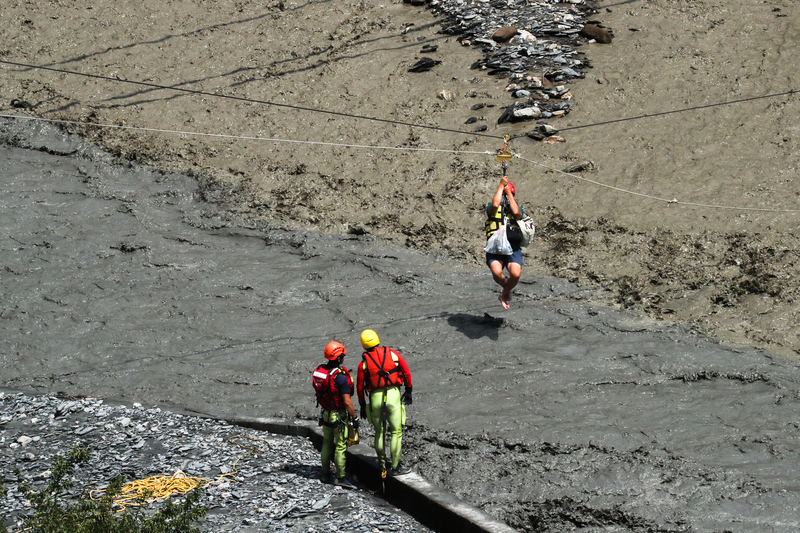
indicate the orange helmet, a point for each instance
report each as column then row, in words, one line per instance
column 334, row 350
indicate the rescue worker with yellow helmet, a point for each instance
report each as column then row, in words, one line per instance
column 382, row 372
column 334, row 389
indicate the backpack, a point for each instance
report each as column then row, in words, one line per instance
column 322, row 380
column 514, row 233
column 527, row 229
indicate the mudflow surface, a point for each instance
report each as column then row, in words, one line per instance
column 120, row 282
column 644, row 379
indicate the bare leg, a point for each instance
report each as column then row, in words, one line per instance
column 500, row 279
column 497, row 273
column 514, row 273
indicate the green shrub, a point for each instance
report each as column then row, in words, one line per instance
column 52, row 515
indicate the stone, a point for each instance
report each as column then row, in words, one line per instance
column 580, row 166
column 424, row 65
column 445, row 95
column 547, row 129
column 321, row 503
column 488, row 42
column 525, row 36
column 590, row 31
column 528, row 112
column 504, row 34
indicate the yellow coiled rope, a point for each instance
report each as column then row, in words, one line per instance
column 155, row 488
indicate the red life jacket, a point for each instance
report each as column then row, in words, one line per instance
column 323, row 381
column 381, row 369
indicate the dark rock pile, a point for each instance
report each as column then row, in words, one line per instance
column 533, row 44
column 278, row 488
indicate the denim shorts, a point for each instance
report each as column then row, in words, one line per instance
column 515, row 257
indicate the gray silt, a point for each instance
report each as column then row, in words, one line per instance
column 120, row 282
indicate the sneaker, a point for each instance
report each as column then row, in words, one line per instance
column 344, row 482
column 328, row 477
column 400, row 470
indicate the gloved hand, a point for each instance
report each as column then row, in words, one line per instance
column 356, row 422
column 363, row 412
column 406, row 398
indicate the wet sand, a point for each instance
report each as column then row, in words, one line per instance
column 603, row 399
column 120, row 282
column 691, row 102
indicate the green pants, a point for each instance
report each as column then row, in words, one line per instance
column 334, row 441
column 395, row 418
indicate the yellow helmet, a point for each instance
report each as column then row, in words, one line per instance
column 369, row 339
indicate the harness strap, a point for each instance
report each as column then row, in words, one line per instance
column 498, row 219
column 340, row 421
column 503, row 208
column 383, row 374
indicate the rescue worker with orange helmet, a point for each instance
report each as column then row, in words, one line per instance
column 334, row 389
column 382, row 372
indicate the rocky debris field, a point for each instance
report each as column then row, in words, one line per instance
column 256, row 482
column 533, row 44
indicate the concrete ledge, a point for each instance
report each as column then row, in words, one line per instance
column 435, row 508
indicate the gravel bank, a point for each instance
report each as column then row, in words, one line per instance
column 273, row 483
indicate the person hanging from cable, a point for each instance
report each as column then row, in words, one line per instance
column 382, row 371
column 334, row 389
column 504, row 210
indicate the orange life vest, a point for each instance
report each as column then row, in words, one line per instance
column 323, row 381
column 381, row 369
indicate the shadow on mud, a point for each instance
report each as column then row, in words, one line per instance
column 477, row 327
